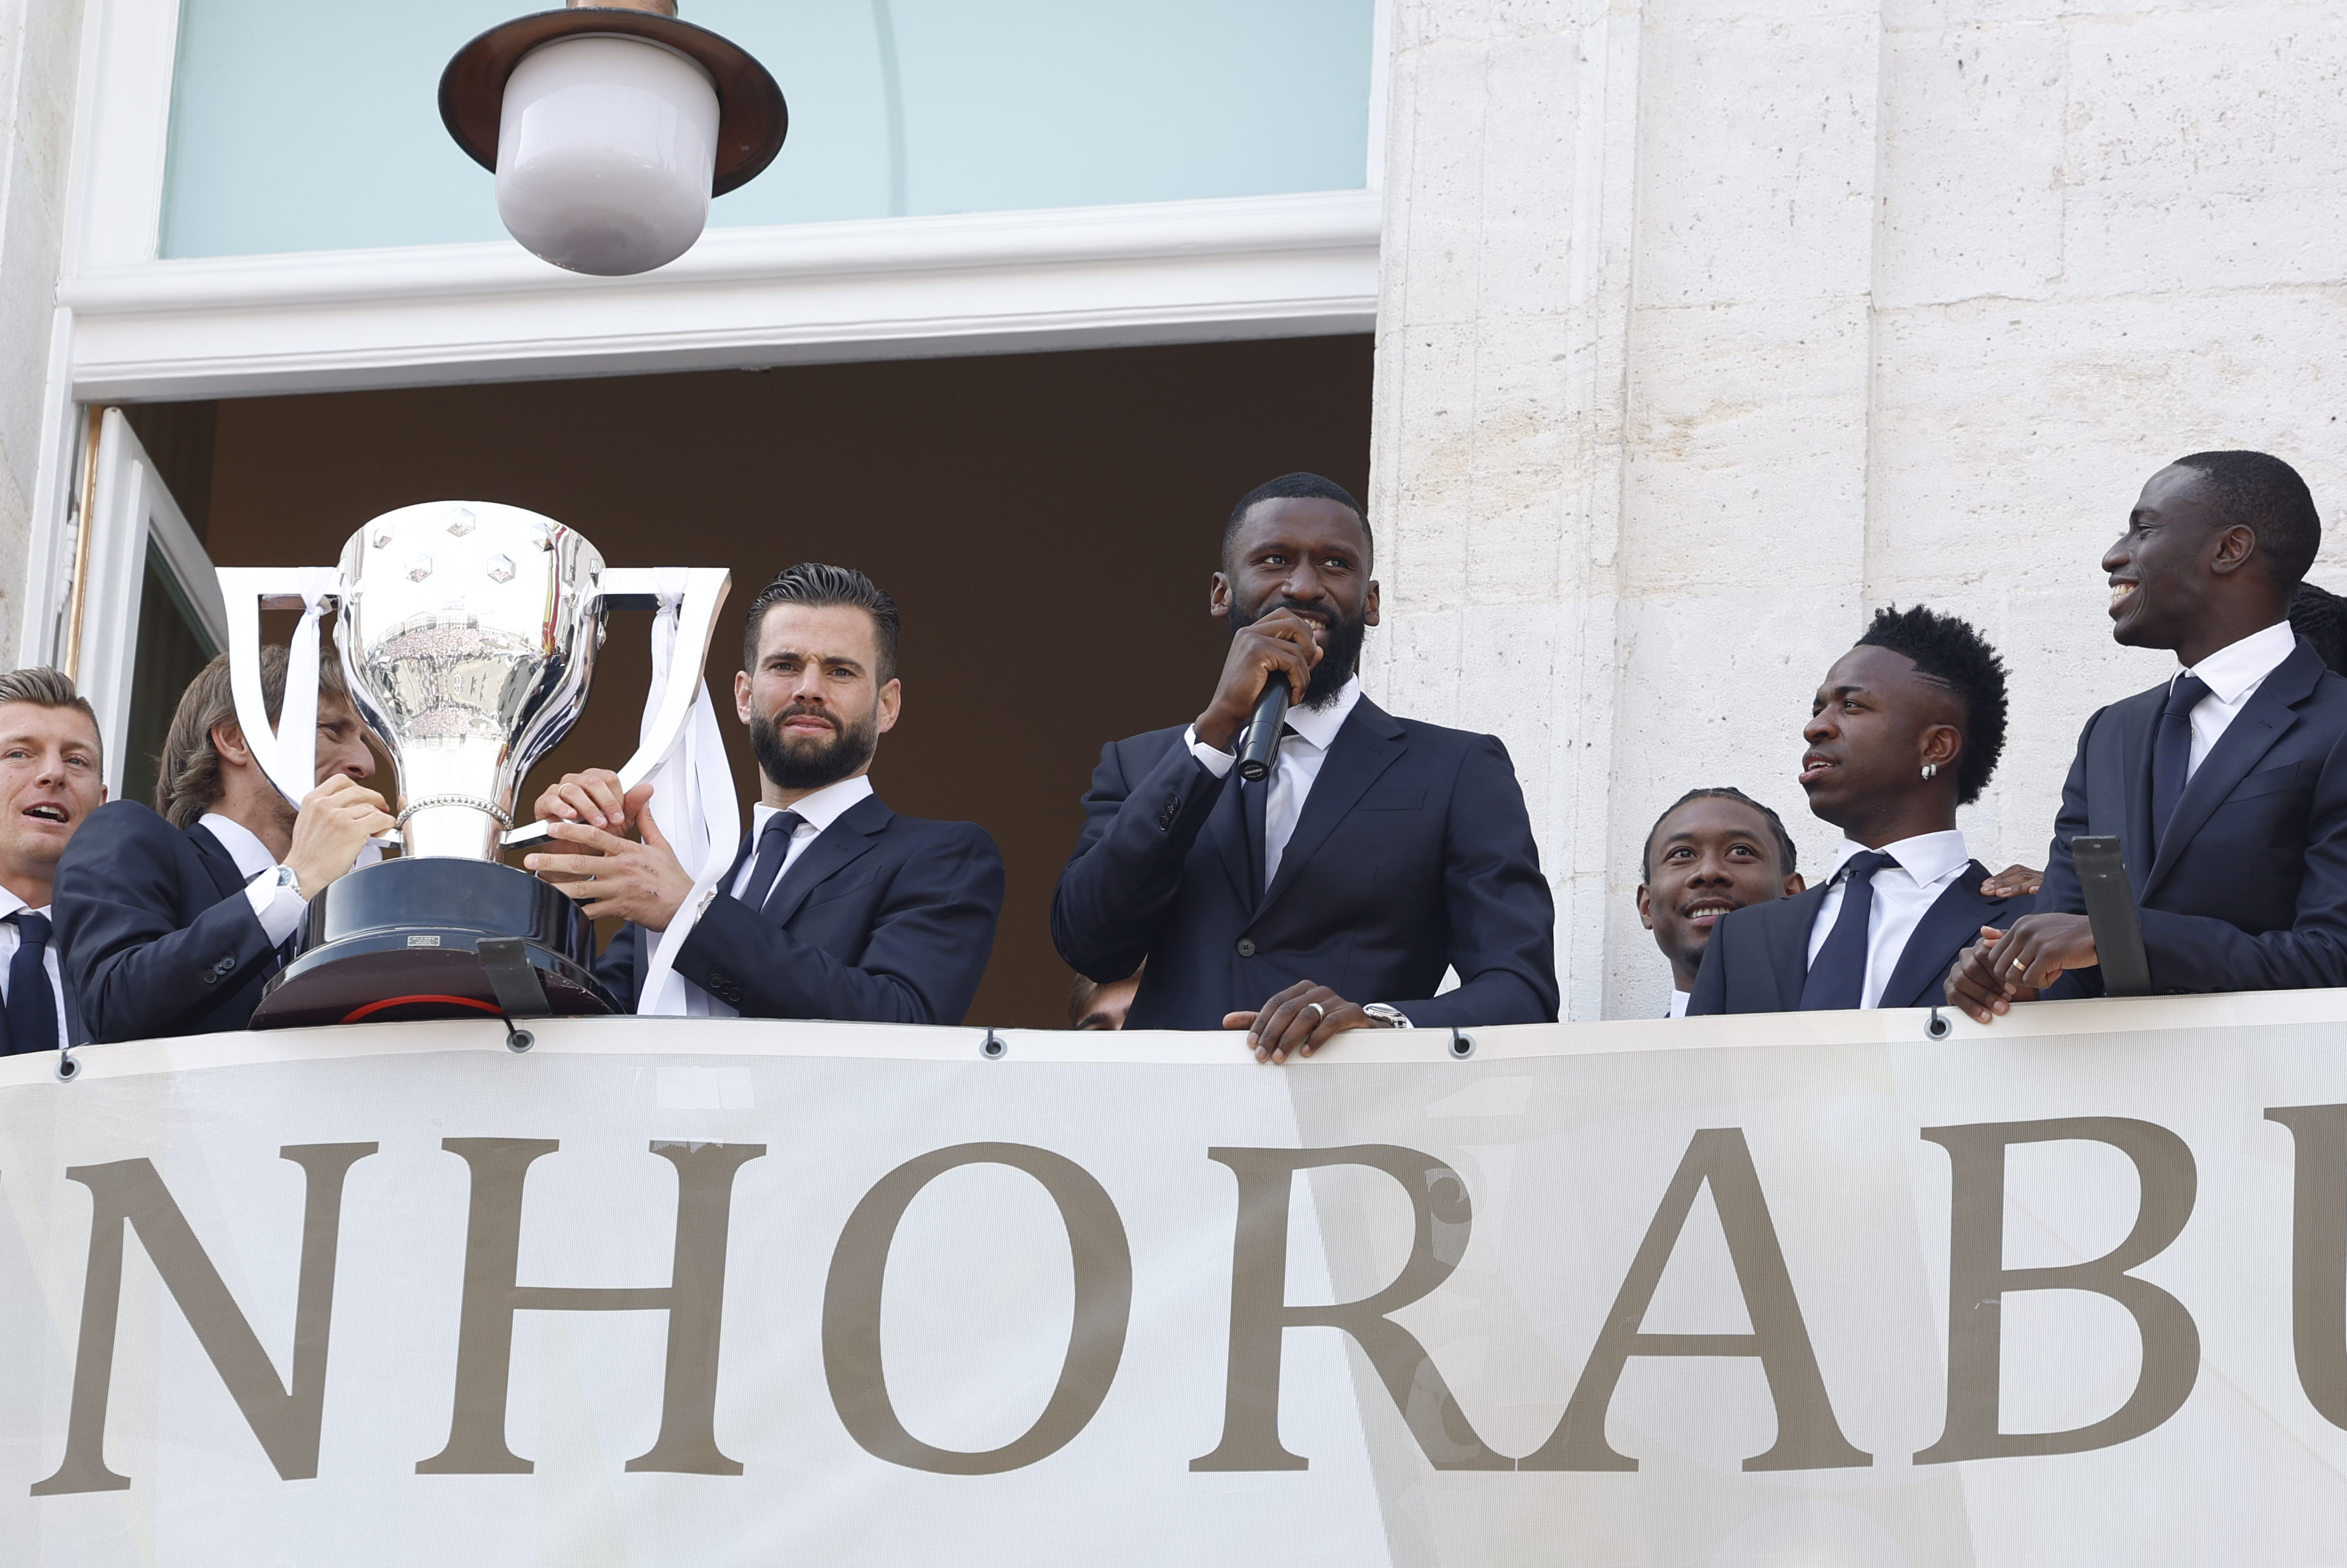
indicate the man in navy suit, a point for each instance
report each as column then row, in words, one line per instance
column 1906, row 727
column 2226, row 785
column 1333, row 895
column 52, row 777
column 172, row 923
column 836, row 907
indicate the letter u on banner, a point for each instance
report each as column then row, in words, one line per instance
column 850, row 1310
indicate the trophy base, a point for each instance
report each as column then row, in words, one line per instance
column 395, row 942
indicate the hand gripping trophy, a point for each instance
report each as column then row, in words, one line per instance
column 467, row 632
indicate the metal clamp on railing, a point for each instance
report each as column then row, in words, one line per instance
column 2111, row 913
column 519, row 992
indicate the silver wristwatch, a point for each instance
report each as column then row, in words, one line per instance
column 1387, row 1015
column 286, row 878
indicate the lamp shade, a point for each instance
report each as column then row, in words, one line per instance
column 609, row 126
column 605, row 153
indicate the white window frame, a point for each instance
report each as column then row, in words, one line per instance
column 131, row 327
column 131, row 510
column 1274, row 266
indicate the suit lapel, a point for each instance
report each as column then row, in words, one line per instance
column 835, row 849
column 1365, row 746
column 2262, row 720
column 217, row 861
column 1951, row 923
column 2138, row 729
column 1789, row 923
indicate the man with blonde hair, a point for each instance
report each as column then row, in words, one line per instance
column 52, row 778
column 173, row 919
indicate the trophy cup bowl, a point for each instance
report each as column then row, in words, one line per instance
column 467, row 635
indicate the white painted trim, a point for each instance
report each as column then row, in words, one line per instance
column 39, row 632
column 122, row 132
column 886, row 288
column 130, row 508
column 1380, row 74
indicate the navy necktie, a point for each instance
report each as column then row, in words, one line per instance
column 1838, row 977
column 773, row 844
column 2171, row 752
column 32, row 1004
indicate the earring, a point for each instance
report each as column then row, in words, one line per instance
column 1930, row 769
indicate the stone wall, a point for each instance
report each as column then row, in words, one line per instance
column 1710, row 325
column 39, row 47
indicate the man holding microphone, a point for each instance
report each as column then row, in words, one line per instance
column 1333, row 894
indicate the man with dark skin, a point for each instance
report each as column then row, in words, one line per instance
column 1333, row 895
column 1712, row 852
column 1906, row 727
column 2226, row 785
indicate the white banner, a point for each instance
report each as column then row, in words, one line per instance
column 1618, row 1294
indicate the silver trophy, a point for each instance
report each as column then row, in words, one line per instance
column 468, row 633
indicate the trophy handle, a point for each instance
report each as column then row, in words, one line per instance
column 249, row 591
column 637, row 588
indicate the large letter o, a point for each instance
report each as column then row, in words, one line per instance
column 850, row 1310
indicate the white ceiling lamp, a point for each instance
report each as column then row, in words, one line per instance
column 609, row 127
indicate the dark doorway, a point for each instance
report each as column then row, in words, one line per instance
column 1047, row 522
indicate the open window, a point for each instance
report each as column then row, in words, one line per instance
column 152, row 612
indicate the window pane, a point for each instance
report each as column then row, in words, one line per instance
column 172, row 650
column 300, row 126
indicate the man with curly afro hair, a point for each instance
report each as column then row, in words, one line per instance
column 1906, row 727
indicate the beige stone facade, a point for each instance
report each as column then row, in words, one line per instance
column 1708, row 326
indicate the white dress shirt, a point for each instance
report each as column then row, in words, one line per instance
column 1929, row 864
column 1678, row 1004
column 817, row 810
column 9, row 940
column 2234, row 672
column 1300, row 757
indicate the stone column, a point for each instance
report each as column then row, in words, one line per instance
column 39, row 47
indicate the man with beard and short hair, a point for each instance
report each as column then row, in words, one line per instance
column 1333, row 895
column 836, row 907
column 1712, row 852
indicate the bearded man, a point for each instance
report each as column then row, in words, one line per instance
column 1333, row 895
column 836, row 907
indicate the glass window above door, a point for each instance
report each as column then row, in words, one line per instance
column 303, row 126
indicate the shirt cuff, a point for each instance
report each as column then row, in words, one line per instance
column 279, row 910
column 1219, row 764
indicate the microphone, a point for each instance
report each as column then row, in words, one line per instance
column 1260, row 751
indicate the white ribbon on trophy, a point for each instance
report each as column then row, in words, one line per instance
column 696, row 809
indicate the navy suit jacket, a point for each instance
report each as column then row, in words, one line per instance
column 154, row 933
column 1412, row 854
column 1757, row 960
column 881, row 919
column 2249, row 888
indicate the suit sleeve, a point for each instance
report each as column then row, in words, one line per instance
column 621, row 967
column 2060, row 893
column 1501, row 916
column 1127, row 867
column 921, row 964
column 2201, row 953
column 137, row 974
